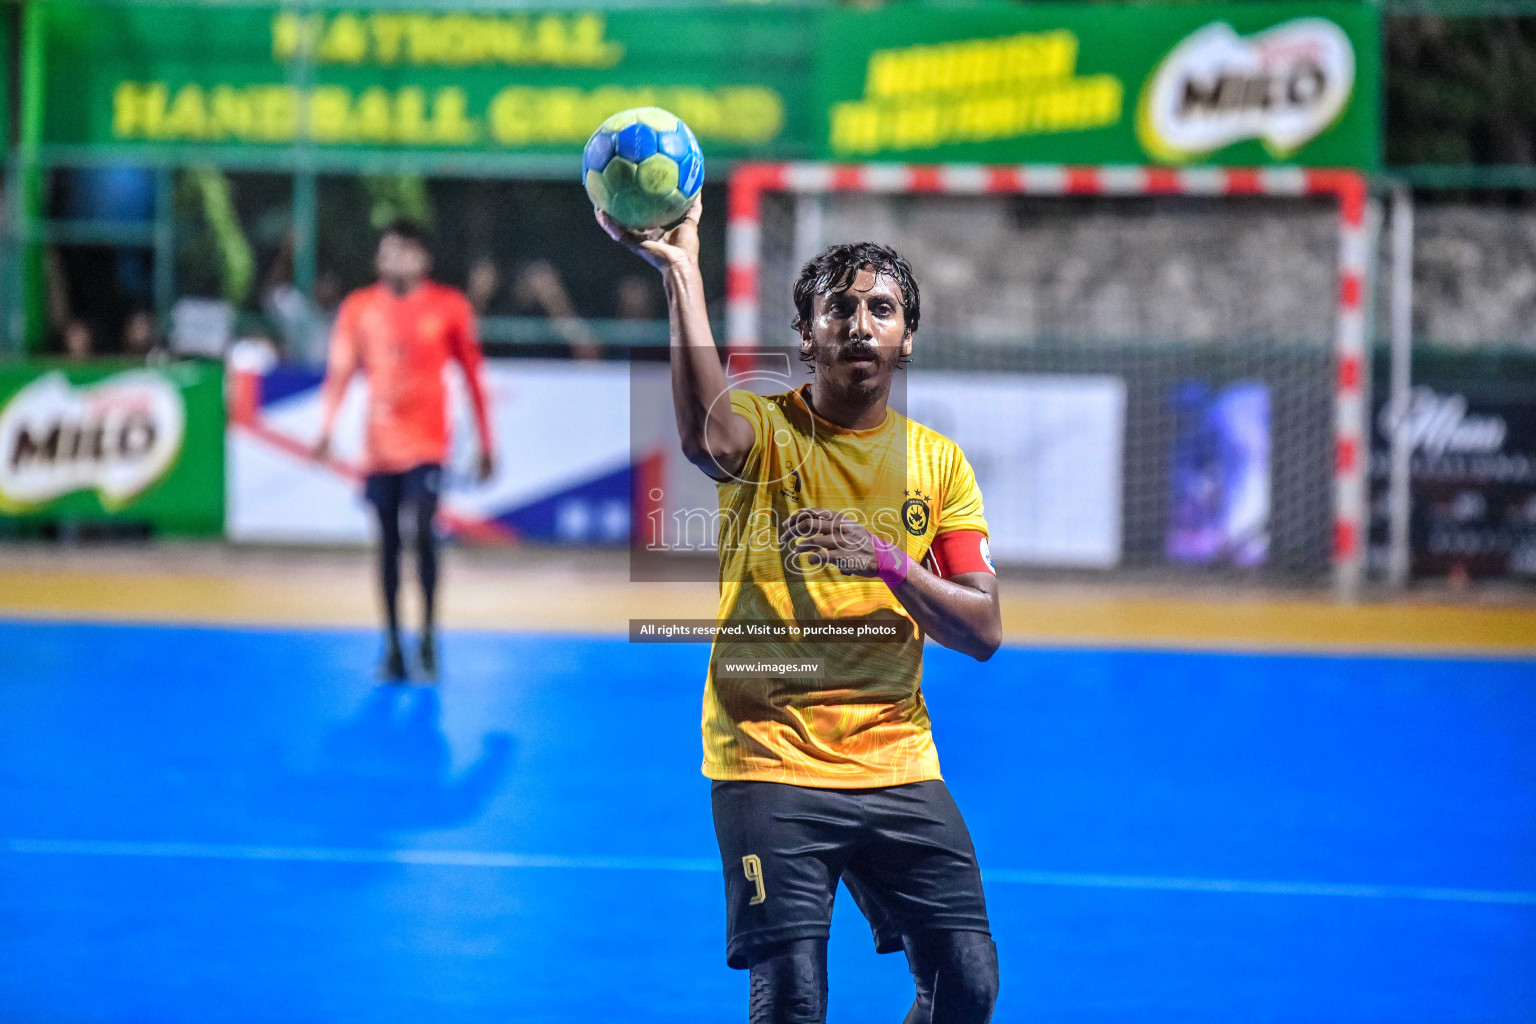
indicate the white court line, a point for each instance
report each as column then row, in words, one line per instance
column 334, row 855
column 1392, row 892
column 483, row 859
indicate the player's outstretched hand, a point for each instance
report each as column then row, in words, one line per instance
column 676, row 249
column 830, row 538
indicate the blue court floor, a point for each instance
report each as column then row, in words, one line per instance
column 205, row 825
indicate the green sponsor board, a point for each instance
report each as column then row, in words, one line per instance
column 1192, row 83
column 113, row 443
column 1186, row 83
column 473, row 80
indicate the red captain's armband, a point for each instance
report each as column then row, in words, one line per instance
column 959, row 551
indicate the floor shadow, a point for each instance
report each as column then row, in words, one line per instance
column 389, row 769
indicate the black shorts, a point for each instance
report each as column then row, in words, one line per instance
column 903, row 852
column 417, row 485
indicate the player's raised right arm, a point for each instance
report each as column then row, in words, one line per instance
column 714, row 436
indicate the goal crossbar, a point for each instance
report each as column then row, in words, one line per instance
column 1347, row 188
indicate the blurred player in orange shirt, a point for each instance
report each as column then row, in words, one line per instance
column 400, row 333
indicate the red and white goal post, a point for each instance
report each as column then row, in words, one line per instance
column 750, row 182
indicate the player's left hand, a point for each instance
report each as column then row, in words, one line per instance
column 830, row 538
column 487, row 468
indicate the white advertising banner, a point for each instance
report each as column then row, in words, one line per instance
column 1047, row 451
column 563, row 472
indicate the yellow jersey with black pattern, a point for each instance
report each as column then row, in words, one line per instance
column 861, row 721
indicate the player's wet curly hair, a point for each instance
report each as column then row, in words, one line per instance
column 834, row 268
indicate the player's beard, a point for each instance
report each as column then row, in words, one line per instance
column 852, row 386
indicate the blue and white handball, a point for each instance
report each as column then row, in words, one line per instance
column 643, row 167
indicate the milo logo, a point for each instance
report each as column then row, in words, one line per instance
column 1283, row 86
column 116, row 437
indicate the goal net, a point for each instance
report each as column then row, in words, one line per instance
column 1149, row 369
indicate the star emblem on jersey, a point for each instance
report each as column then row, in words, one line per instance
column 914, row 513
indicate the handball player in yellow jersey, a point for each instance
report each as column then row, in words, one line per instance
column 835, row 507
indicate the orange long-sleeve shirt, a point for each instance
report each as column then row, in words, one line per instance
column 401, row 344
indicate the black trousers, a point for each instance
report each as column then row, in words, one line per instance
column 416, row 489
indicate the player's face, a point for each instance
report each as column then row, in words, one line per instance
column 402, row 262
column 858, row 335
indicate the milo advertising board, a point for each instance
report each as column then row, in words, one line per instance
column 1104, row 83
column 106, row 443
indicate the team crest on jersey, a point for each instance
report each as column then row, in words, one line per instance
column 792, row 493
column 914, row 513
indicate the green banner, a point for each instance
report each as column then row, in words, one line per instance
column 1100, row 83
column 1186, row 83
column 111, row 443
column 479, row 81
